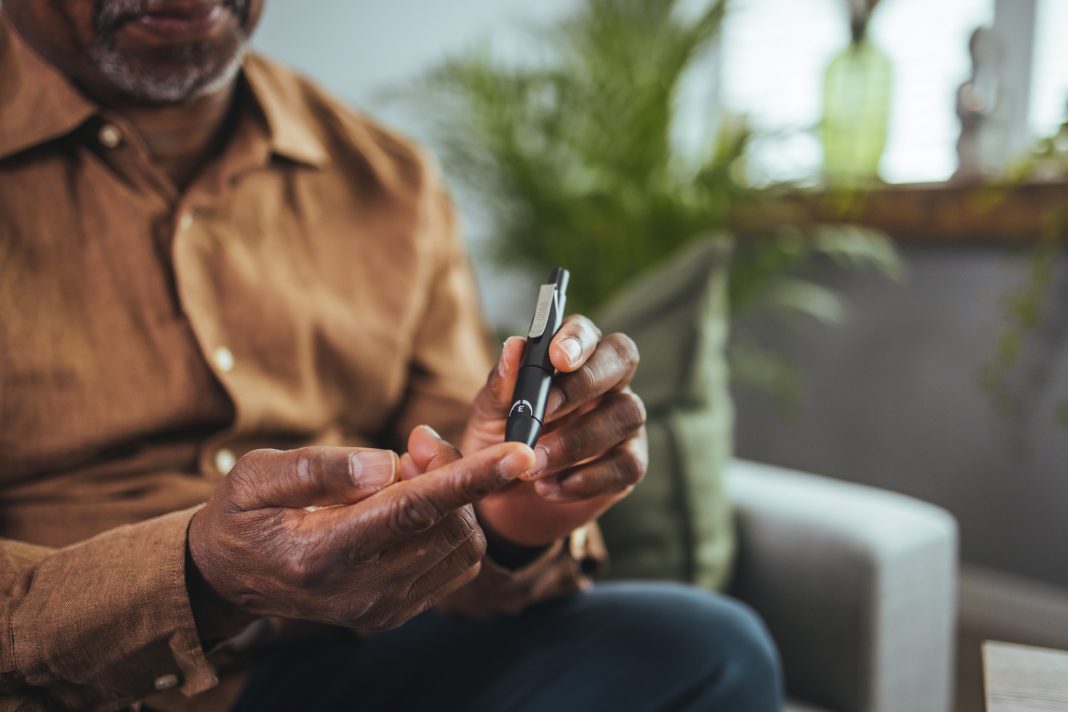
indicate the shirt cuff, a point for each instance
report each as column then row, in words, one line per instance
column 567, row 566
column 109, row 619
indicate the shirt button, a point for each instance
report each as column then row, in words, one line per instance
column 223, row 359
column 166, row 682
column 109, row 136
column 225, row 461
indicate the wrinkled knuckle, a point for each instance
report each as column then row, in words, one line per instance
column 249, row 466
column 243, row 488
column 257, row 458
column 304, row 573
column 456, row 531
column 472, row 573
column 634, row 415
column 631, row 470
column 307, row 463
column 625, row 348
column 589, row 377
column 479, row 543
column 237, row 492
column 471, row 552
column 413, row 513
column 467, row 513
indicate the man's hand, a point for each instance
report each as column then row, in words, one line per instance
column 330, row 535
column 593, row 448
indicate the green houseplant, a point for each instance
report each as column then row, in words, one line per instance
column 573, row 158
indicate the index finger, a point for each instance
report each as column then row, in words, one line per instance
column 412, row 507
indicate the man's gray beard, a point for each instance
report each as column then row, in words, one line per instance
column 195, row 79
column 191, row 81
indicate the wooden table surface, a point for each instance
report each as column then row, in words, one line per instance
column 1021, row 678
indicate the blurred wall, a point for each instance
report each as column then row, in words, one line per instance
column 359, row 50
column 356, row 48
column 892, row 401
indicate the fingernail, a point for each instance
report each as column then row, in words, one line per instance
column 572, row 348
column 432, row 432
column 541, row 461
column 372, row 468
column 514, row 465
column 500, row 362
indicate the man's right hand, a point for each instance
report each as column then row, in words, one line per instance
column 329, row 535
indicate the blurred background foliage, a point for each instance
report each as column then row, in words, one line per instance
column 572, row 158
column 1027, row 307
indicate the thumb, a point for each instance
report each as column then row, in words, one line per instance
column 311, row 476
column 495, row 397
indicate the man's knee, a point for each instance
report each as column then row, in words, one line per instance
column 703, row 625
column 738, row 643
column 704, row 647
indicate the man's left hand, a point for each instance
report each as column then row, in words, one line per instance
column 592, row 450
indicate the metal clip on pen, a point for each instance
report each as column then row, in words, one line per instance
column 536, row 370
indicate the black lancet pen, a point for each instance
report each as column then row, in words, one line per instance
column 536, row 370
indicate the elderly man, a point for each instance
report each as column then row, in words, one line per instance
column 221, row 292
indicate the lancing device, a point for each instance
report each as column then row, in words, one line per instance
column 536, row 370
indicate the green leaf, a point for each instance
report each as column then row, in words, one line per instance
column 805, row 298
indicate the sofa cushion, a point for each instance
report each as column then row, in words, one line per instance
column 676, row 524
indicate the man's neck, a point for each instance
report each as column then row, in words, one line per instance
column 182, row 138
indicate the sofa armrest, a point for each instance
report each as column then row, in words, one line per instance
column 856, row 584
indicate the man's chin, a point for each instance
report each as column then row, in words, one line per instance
column 175, row 81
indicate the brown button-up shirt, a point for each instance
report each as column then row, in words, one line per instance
column 308, row 287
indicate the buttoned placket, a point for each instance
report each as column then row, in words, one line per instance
column 218, row 456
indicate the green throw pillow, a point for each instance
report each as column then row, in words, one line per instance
column 676, row 524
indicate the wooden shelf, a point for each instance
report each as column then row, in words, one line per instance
column 942, row 212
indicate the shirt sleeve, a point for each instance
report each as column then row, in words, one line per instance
column 568, row 565
column 101, row 623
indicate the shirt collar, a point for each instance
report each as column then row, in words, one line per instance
column 290, row 121
column 41, row 104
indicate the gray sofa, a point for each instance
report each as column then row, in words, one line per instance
column 857, row 585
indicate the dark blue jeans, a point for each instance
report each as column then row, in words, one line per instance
column 620, row 647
